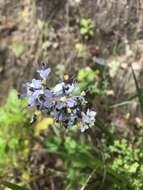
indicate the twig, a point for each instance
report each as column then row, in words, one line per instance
column 88, row 179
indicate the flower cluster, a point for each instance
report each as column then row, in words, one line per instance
column 60, row 101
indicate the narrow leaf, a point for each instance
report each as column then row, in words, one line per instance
column 13, row 186
column 138, row 90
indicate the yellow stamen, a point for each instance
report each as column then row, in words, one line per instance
column 53, row 101
column 83, row 93
column 37, row 113
column 69, row 110
column 63, row 99
column 94, row 113
column 66, row 77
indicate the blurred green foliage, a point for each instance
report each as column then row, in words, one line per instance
column 14, row 133
column 79, row 158
column 122, row 163
column 13, row 186
column 89, row 80
column 127, row 161
column 86, row 28
column 18, row 47
column 124, row 160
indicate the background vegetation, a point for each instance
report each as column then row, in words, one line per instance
column 99, row 43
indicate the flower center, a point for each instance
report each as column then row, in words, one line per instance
column 66, row 77
column 63, row 98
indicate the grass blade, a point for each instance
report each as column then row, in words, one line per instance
column 13, row 186
column 138, row 90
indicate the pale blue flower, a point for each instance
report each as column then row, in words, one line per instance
column 58, row 89
column 33, row 96
column 35, row 84
column 71, row 102
column 60, row 101
column 44, row 73
column 88, row 119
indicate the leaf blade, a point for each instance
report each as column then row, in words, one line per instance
column 138, row 90
column 13, row 186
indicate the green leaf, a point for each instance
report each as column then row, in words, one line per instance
column 13, row 186
column 12, row 112
column 91, row 33
column 83, row 31
column 18, row 48
column 84, row 22
column 138, row 90
column 124, row 103
column 133, row 168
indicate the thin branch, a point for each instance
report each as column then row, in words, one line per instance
column 88, row 179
